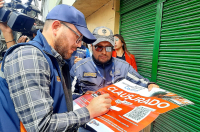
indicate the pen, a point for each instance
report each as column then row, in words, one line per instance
column 98, row 93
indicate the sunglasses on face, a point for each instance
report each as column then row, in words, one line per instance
column 100, row 48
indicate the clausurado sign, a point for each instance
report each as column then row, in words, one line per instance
column 133, row 107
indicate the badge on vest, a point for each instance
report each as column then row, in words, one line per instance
column 90, row 74
column 58, row 78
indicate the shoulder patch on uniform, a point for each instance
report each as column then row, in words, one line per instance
column 90, row 74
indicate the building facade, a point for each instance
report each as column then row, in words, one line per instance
column 164, row 36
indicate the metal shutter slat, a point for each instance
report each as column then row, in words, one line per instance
column 178, row 64
column 138, row 28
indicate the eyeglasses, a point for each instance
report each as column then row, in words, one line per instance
column 80, row 37
column 100, row 48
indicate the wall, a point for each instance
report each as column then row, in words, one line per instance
column 117, row 16
column 68, row 2
column 47, row 5
column 164, row 37
column 105, row 16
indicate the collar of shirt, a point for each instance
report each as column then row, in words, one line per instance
column 103, row 65
column 57, row 56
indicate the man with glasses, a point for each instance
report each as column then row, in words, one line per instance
column 79, row 53
column 35, row 90
column 102, row 69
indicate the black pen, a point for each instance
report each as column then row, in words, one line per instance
column 98, row 93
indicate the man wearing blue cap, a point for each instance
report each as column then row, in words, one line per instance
column 35, row 90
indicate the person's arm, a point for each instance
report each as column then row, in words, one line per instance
column 8, row 35
column 7, row 31
column 134, row 76
column 28, row 79
column 1, row 3
column 77, row 59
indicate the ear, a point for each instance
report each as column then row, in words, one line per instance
column 56, row 26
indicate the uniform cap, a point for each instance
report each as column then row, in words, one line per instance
column 103, row 34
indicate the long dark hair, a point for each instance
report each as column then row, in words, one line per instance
column 124, row 44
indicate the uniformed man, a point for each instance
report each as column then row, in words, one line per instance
column 102, row 69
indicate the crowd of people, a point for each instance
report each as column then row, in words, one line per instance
column 36, row 77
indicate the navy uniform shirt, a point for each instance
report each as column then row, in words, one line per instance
column 85, row 77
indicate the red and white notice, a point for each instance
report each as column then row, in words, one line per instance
column 133, row 107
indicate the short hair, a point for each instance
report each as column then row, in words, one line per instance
column 47, row 24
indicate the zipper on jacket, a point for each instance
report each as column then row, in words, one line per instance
column 104, row 81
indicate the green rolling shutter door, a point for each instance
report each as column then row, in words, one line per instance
column 179, row 64
column 179, row 54
column 138, row 27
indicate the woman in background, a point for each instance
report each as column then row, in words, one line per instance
column 121, row 51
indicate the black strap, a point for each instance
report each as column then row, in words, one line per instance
column 67, row 87
column 74, row 128
column 65, row 79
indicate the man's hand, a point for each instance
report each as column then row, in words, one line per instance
column 152, row 86
column 1, row 3
column 90, row 92
column 22, row 39
column 7, row 31
column 3, row 26
column 77, row 59
column 99, row 105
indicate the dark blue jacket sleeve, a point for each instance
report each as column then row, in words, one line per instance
column 134, row 76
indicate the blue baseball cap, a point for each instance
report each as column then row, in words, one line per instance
column 71, row 15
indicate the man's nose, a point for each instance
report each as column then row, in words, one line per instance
column 104, row 51
column 79, row 44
